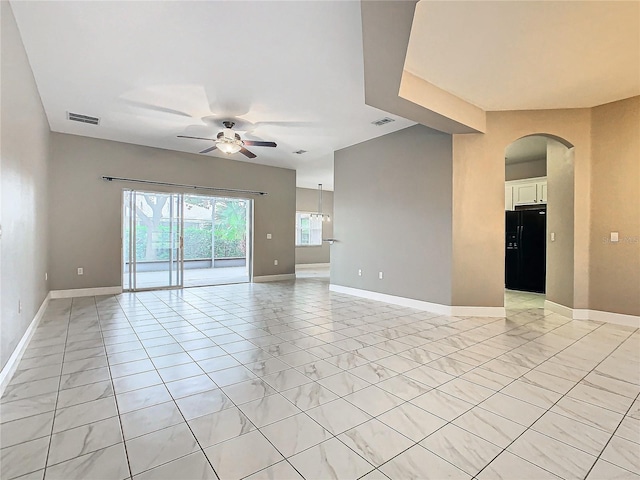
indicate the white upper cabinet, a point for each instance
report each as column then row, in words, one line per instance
column 530, row 191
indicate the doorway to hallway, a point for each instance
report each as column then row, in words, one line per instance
column 175, row 240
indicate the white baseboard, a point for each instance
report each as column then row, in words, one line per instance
column 85, row 292
column 12, row 364
column 420, row 304
column 469, row 311
column 312, row 265
column 595, row 315
column 274, row 278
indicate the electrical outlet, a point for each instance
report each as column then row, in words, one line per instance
column 359, row 272
column 380, row 275
column 275, row 262
column 80, row 271
column 46, row 276
column 268, row 236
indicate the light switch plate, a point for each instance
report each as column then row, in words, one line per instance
column 268, row 236
column 614, row 236
column 553, row 236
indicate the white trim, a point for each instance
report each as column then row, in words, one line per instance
column 466, row 311
column 312, row 265
column 595, row 315
column 274, row 278
column 420, row 304
column 12, row 364
column 85, row 292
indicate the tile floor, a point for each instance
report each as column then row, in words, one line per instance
column 288, row 381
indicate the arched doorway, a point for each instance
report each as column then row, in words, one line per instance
column 539, row 222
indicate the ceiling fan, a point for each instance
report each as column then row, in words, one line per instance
column 228, row 141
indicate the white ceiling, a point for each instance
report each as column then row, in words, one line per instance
column 521, row 55
column 153, row 70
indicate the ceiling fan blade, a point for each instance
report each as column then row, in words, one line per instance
column 207, row 150
column 247, row 153
column 255, row 143
column 197, row 138
column 157, row 108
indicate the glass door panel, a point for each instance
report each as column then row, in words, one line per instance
column 153, row 255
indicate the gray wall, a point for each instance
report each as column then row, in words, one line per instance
column 23, row 204
column 560, row 208
column 86, row 211
column 393, row 207
column 307, row 201
column 531, row 169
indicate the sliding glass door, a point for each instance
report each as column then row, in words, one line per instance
column 152, row 240
column 173, row 240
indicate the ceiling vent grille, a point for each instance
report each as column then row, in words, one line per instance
column 76, row 117
column 383, row 121
column 300, row 152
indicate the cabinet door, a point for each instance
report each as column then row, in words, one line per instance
column 542, row 192
column 508, row 198
column 525, row 194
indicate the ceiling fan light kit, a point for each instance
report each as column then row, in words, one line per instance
column 229, row 142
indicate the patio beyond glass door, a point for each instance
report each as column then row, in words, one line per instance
column 152, row 240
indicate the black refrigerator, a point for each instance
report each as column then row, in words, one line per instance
column 526, row 249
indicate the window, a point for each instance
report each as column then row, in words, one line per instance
column 308, row 229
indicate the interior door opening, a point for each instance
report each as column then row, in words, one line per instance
column 174, row 240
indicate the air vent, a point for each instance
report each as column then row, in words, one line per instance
column 300, row 152
column 76, row 117
column 383, row 121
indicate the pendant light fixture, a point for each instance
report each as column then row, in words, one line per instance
column 320, row 214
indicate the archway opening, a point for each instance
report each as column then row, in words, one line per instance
column 539, row 178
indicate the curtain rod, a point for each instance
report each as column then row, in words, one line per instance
column 166, row 184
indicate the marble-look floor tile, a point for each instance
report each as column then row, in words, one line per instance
column 429, row 376
column 487, row 378
column 330, row 460
column 623, row 453
column 602, row 418
column 110, row 462
column 295, row 434
column 467, row 391
column 375, row 441
column 552, row 455
column 577, row 434
column 420, row 463
column 506, row 466
column 23, row 458
column 411, row 421
column 601, row 398
column 242, row 456
column 203, row 403
column 463, row 449
column 629, row 429
column 604, row 470
column 85, row 439
column 244, row 392
column 232, row 375
column 85, row 377
column 318, row 369
column 27, row 407
column 489, row 426
column 145, row 397
column 193, row 467
column 280, row 471
column 541, row 397
column 26, row 429
column 136, row 381
column 343, row 383
column 268, row 410
column 374, row 400
column 147, row 420
column 190, row 386
column 309, row 395
column 220, row 426
column 83, row 413
column 373, row 372
column 18, row 391
column 338, row 416
column 286, row 379
column 85, row 393
column 162, row 446
column 442, row 404
column 403, row 387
